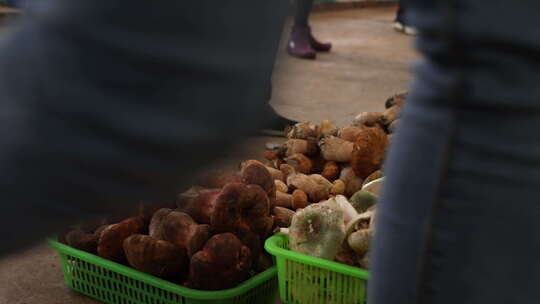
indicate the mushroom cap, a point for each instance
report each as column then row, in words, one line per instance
column 369, row 151
column 181, row 230
column 317, row 230
column 110, row 244
column 156, row 257
column 362, row 200
column 223, row 263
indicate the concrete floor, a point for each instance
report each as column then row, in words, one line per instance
column 369, row 63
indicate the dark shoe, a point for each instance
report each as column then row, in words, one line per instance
column 317, row 45
column 276, row 124
column 300, row 44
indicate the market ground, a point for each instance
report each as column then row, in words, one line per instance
column 369, row 63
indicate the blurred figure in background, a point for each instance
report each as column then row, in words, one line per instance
column 302, row 43
column 400, row 24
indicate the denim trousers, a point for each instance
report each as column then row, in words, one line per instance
column 459, row 217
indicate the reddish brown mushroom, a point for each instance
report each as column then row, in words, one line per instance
column 223, row 263
column 300, row 163
column 282, row 216
column 242, row 205
column 179, row 229
column 110, row 244
column 156, row 257
column 81, row 240
column 331, row 170
column 256, row 173
column 198, row 203
column 369, row 151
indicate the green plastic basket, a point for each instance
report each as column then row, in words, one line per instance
column 307, row 280
column 113, row 283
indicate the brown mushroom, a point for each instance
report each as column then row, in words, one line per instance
column 199, row 204
column 331, row 170
column 336, row 149
column 81, row 240
column 369, row 151
column 326, row 127
column 300, row 199
column 300, row 163
column 110, row 244
column 352, row 182
column 223, row 263
column 281, row 186
column 303, row 146
column 284, row 200
column 349, row 133
column 302, row 130
column 156, row 257
column 282, row 216
column 338, row 187
column 396, row 100
column 287, row 170
column 368, row 119
column 315, row 186
column 179, row 229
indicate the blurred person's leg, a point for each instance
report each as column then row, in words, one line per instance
column 100, row 110
column 302, row 43
column 458, row 221
column 400, row 23
column 275, row 123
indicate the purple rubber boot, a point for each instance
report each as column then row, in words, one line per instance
column 317, row 45
column 300, row 43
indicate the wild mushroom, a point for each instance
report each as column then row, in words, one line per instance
column 336, row 149
column 317, row 230
column 331, row 170
column 179, row 229
column 368, row 119
column 110, row 244
column 223, row 263
column 302, row 146
column 300, row 163
column 302, row 130
column 282, row 216
column 369, row 151
column 156, row 257
column 314, row 185
column 199, row 203
column 352, row 182
column 363, row 200
column 326, row 127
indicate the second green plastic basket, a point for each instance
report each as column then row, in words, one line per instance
column 307, row 280
column 113, row 283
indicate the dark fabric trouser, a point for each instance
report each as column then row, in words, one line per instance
column 459, row 218
column 302, row 11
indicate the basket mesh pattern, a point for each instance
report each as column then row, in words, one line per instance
column 301, row 283
column 111, row 287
